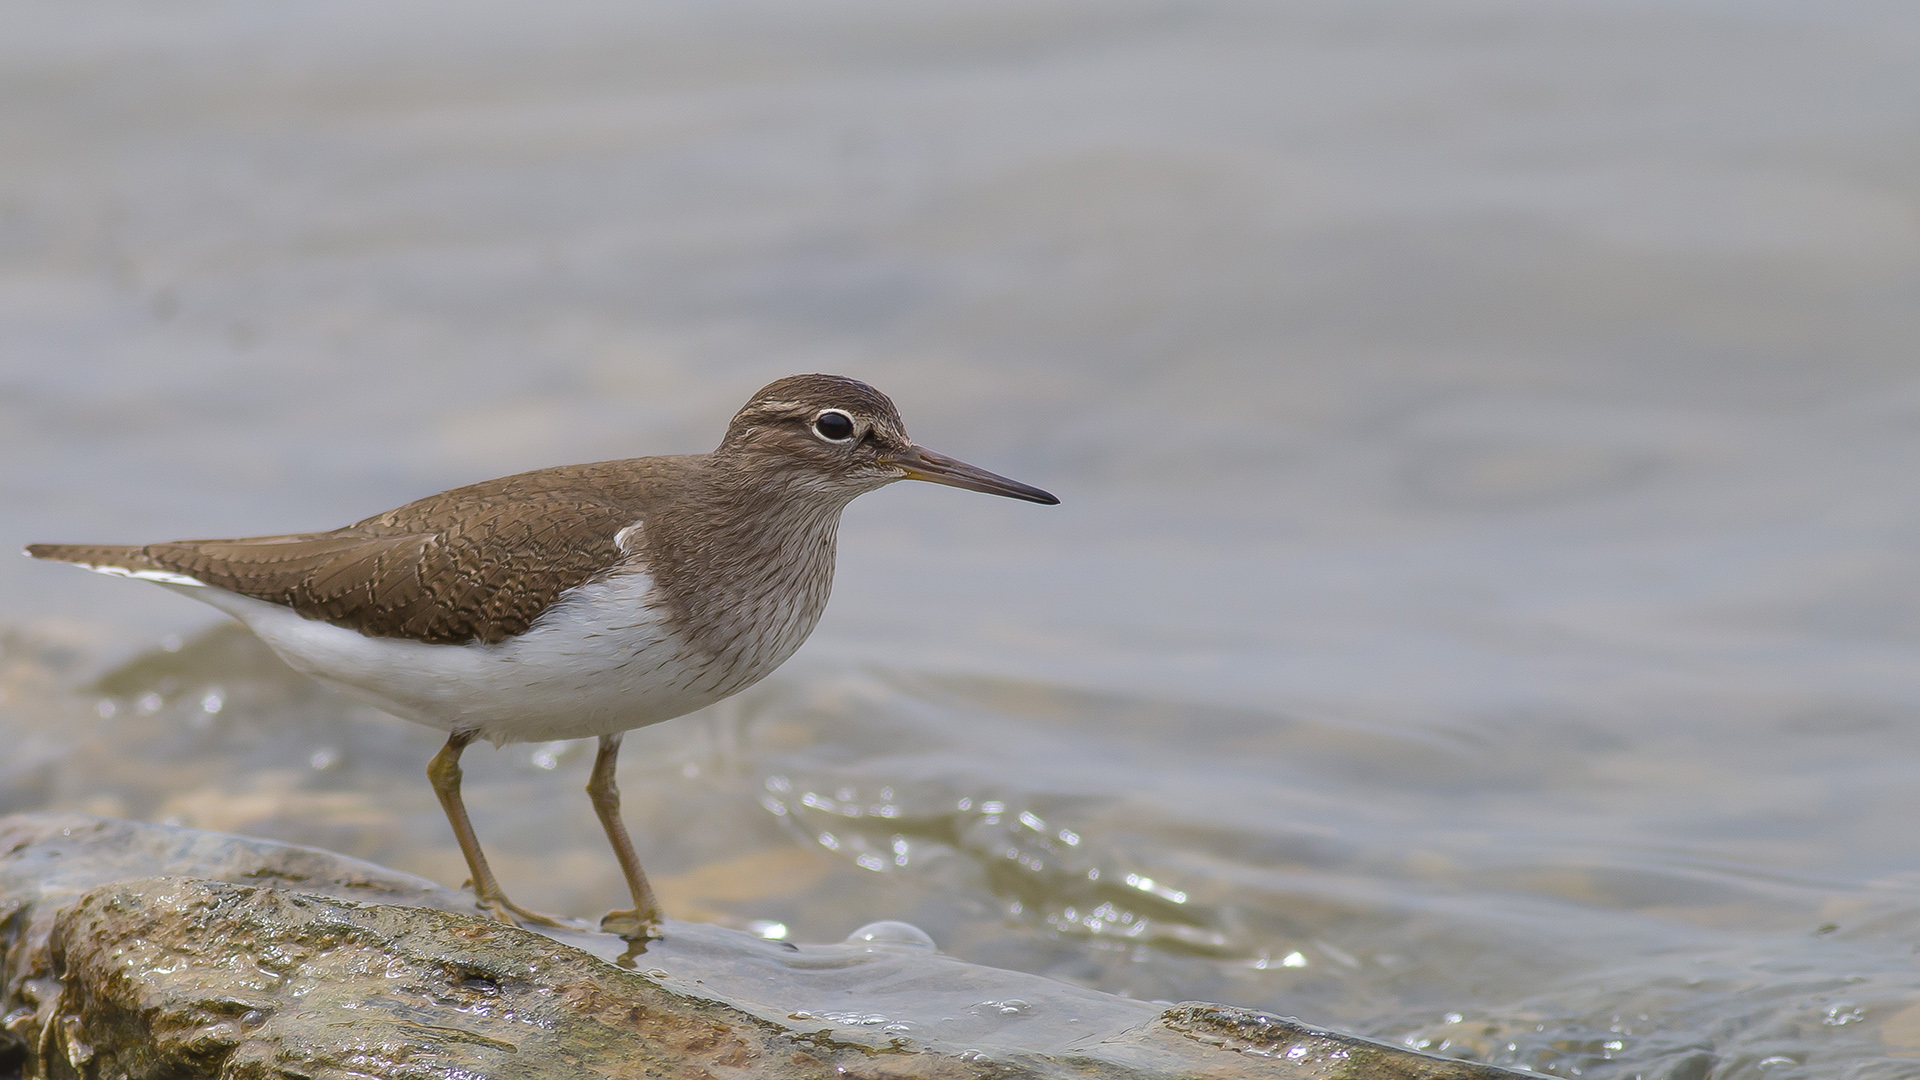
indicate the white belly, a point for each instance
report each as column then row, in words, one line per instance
column 602, row 659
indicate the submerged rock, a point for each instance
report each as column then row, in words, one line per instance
column 134, row 950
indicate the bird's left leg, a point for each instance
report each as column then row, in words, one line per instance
column 444, row 772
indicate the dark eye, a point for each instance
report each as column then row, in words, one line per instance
column 834, row 425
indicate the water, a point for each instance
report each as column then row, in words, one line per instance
column 1483, row 611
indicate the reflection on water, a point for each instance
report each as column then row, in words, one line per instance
column 1483, row 611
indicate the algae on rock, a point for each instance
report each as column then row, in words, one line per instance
column 147, row 951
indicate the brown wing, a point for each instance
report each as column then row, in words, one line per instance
column 473, row 564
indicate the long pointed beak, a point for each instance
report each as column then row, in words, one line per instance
column 920, row 463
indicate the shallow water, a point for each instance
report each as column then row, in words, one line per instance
column 1485, row 603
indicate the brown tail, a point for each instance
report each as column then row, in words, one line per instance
column 121, row 555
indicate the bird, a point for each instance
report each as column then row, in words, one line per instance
column 570, row 602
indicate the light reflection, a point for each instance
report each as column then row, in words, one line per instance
column 1147, row 884
column 1047, row 872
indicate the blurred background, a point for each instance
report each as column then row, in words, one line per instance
column 1485, row 603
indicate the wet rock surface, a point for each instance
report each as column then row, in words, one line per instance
column 135, row 950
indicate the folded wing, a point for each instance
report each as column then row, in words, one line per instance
column 443, row 571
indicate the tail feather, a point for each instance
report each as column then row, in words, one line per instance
column 122, row 555
column 120, row 559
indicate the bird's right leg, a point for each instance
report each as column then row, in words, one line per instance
column 641, row 924
column 444, row 772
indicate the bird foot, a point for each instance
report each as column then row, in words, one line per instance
column 631, row 925
column 507, row 911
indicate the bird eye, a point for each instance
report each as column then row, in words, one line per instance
column 834, row 425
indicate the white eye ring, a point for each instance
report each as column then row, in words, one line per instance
column 830, row 421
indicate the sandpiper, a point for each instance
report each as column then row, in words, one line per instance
column 584, row 600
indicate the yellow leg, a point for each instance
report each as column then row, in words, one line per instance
column 444, row 772
column 643, row 922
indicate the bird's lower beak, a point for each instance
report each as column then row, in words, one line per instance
column 919, row 463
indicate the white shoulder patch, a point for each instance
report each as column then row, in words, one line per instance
column 165, row 577
column 630, row 538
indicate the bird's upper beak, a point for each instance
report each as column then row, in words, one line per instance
column 920, row 463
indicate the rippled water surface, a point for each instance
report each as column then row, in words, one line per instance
column 1485, row 605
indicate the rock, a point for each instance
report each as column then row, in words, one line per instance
column 145, row 951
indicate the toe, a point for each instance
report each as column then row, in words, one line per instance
column 631, row 925
column 507, row 911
